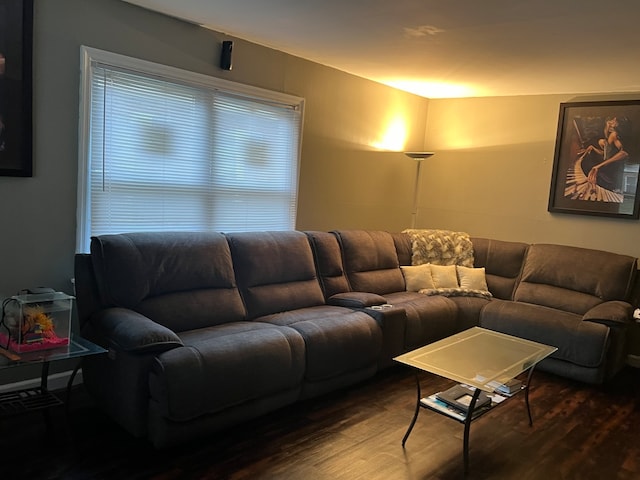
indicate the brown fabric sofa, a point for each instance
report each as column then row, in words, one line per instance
column 205, row 330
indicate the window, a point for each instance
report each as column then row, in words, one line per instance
column 165, row 149
column 630, row 179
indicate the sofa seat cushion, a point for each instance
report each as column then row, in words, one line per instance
column 469, row 308
column 428, row 318
column 578, row 342
column 337, row 340
column 225, row 366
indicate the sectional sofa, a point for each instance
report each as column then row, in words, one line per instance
column 206, row 330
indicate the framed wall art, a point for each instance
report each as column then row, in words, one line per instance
column 597, row 153
column 16, row 33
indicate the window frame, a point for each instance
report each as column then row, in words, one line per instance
column 91, row 56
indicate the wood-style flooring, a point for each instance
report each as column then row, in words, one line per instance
column 579, row 432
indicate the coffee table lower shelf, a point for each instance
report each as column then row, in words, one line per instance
column 438, row 406
column 431, row 403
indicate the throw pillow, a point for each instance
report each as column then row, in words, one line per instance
column 472, row 278
column 444, row 276
column 417, row 277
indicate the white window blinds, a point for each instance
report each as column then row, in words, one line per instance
column 165, row 149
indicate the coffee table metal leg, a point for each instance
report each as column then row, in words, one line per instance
column 467, row 427
column 415, row 415
column 526, row 394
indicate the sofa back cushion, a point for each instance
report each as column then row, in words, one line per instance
column 370, row 261
column 404, row 249
column 328, row 260
column 274, row 271
column 574, row 279
column 180, row 280
column 502, row 262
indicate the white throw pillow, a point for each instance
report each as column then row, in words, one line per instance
column 417, row 277
column 472, row 278
column 444, row 276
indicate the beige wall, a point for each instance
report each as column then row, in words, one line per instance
column 344, row 181
column 490, row 175
column 492, row 172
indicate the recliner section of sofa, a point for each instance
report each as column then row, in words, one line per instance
column 574, row 299
column 391, row 319
column 176, row 338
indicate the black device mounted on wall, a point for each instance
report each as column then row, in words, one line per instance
column 225, row 55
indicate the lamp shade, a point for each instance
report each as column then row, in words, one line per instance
column 419, row 155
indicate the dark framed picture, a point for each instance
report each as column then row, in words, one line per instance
column 16, row 34
column 595, row 166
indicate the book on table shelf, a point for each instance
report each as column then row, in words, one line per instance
column 508, row 388
column 434, row 403
column 459, row 396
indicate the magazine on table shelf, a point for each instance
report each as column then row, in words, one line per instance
column 459, row 396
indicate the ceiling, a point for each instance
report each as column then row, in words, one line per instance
column 444, row 48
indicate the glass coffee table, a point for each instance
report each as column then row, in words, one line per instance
column 480, row 359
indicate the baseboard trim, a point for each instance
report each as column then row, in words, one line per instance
column 57, row 381
column 633, row 361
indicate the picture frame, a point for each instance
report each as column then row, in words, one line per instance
column 596, row 159
column 16, row 43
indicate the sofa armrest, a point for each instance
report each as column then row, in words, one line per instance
column 614, row 313
column 130, row 331
column 356, row 300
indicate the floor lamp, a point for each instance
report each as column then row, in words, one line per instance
column 418, row 157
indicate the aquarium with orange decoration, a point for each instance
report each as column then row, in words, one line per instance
column 33, row 322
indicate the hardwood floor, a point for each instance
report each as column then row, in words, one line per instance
column 579, row 432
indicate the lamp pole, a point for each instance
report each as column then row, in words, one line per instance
column 418, row 157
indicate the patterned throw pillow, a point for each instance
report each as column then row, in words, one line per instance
column 456, row 292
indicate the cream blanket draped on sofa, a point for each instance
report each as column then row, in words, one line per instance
column 440, row 247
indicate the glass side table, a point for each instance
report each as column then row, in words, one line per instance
column 39, row 398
